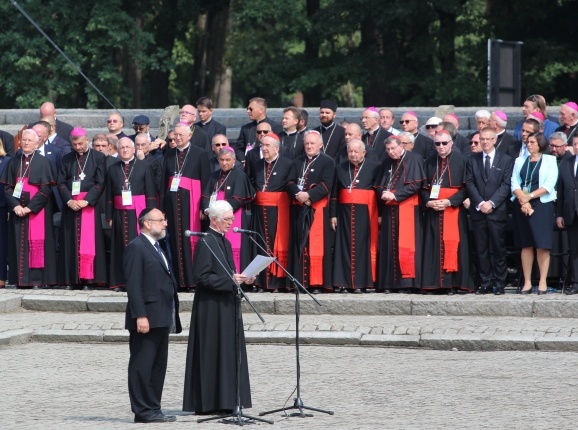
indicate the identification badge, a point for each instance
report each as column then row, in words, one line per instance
column 175, row 183
column 435, row 191
column 212, row 199
column 300, row 187
column 127, row 198
column 75, row 188
column 526, row 190
column 18, row 190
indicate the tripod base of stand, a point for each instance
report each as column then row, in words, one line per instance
column 297, row 404
column 236, row 418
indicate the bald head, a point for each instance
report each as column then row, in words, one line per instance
column 352, row 131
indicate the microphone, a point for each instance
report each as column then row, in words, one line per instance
column 240, row 230
column 190, row 233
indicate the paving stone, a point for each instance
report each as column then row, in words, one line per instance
column 472, row 305
column 107, row 304
column 10, row 303
column 556, row 308
column 557, row 344
column 15, row 337
column 67, row 336
column 403, row 341
column 55, row 303
column 478, row 343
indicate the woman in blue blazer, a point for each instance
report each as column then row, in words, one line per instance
column 533, row 192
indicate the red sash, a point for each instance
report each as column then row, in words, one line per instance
column 87, row 240
column 138, row 204
column 36, row 230
column 406, row 237
column 316, row 242
column 281, row 200
column 194, row 187
column 451, row 235
column 366, row 197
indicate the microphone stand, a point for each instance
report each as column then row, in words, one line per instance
column 297, row 402
column 237, row 416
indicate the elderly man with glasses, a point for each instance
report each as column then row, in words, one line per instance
column 423, row 145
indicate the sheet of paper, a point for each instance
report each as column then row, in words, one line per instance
column 255, row 266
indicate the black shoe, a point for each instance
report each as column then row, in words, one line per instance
column 120, row 290
column 87, row 288
column 156, row 418
column 481, row 291
column 357, row 291
column 499, row 291
column 451, row 292
column 528, row 291
column 542, row 292
column 386, row 291
column 37, row 287
column 572, row 291
column 405, row 291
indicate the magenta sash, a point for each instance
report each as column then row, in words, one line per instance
column 87, row 240
column 36, row 230
column 234, row 238
column 138, row 204
column 194, row 187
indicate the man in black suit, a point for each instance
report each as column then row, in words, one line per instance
column 567, row 210
column 423, row 145
column 152, row 313
column 63, row 129
column 257, row 112
column 53, row 137
column 488, row 183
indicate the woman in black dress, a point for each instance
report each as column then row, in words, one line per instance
column 534, row 191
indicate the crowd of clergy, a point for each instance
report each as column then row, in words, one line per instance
column 369, row 205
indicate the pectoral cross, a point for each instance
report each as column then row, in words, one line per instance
column 82, row 176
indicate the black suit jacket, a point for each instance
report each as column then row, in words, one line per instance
column 150, row 286
column 507, row 144
column 212, row 128
column 495, row 188
column 378, row 149
column 62, row 144
column 8, row 142
column 248, row 136
column 567, row 191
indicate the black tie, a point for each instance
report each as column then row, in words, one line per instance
column 159, row 250
column 487, row 166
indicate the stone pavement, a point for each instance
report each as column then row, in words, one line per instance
column 83, row 386
column 469, row 322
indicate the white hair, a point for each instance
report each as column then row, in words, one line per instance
column 218, row 208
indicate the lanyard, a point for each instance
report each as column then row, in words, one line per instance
column 217, row 186
column 23, row 175
column 177, row 170
column 527, row 182
column 265, row 176
column 306, row 168
column 127, row 178
column 441, row 175
column 82, row 175
column 325, row 145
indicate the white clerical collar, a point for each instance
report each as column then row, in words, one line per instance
column 205, row 123
column 211, row 227
column 274, row 159
column 374, row 130
column 289, row 133
column 188, row 144
column 128, row 161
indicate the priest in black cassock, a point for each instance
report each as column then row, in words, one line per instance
column 309, row 186
column 211, row 366
column 186, row 171
column 375, row 135
column 130, row 188
column 354, row 217
column 291, row 139
column 332, row 133
column 445, row 219
column 28, row 179
column 231, row 184
column 270, row 212
column 400, row 238
column 81, row 182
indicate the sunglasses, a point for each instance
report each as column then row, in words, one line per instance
column 263, row 131
column 442, row 143
column 186, row 112
column 111, row 121
column 406, row 121
column 220, row 144
column 430, row 126
column 474, row 143
column 249, row 108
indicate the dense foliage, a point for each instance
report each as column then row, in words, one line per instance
column 152, row 53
